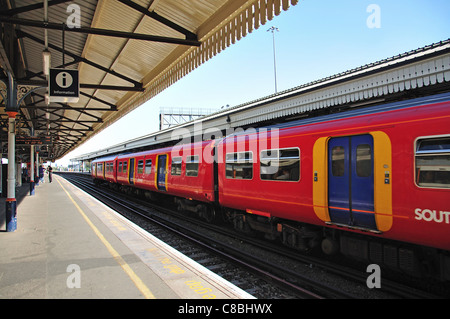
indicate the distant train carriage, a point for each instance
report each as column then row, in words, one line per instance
column 104, row 169
column 182, row 171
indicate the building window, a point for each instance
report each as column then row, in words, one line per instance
column 432, row 162
column 176, row 166
column 192, row 165
column 239, row 165
column 281, row 165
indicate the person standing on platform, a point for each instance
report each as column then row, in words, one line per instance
column 49, row 170
column 41, row 174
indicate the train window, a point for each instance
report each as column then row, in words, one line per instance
column 140, row 169
column 192, row 165
column 148, row 166
column 125, row 166
column 120, row 167
column 338, row 161
column 282, row 165
column 176, row 166
column 364, row 160
column 239, row 165
column 432, row 161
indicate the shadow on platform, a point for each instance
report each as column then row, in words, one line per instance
column 21, row 192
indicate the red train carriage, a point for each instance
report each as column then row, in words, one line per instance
column 135, row 170
column 191, row 171
column 362, row 178
column 104, row 169
column 190, row 177
column 185, row 171
column 385, row 174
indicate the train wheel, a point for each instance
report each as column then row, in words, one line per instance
column 209, row 214
column 240, row 224
column 330, row 246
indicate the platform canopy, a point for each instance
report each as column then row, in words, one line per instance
column 126, row 52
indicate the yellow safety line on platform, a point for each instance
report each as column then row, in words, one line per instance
column 135, row 278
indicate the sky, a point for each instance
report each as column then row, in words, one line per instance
column 316, row 39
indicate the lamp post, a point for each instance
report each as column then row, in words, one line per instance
column 273, row 29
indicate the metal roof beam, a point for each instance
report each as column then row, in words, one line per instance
column 66, row 119
column 4, row 59
column 40, row 74
column 65, row 129
column 71, row 108
column 111, row 87
column 65, row 107
column 30, row 7
column 112, row 107
column 43, row 83
column 42, row 117
column 85, row 86
column 152, row 14
column 21, row 33
column 97, row 31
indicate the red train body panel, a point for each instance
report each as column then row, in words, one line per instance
column 190, row 172
column 364, row 174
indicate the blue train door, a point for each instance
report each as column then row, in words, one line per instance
column 162, row 159
column 351, row 181
column 131, row 171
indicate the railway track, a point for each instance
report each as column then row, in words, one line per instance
column 246, row 262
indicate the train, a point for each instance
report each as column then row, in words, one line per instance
column 371, row 183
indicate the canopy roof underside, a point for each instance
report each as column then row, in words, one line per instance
column 126, row 53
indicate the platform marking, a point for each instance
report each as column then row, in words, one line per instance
column 135, row 278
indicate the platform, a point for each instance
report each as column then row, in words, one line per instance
column 69, row 245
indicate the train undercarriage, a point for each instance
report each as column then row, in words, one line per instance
column 411, row 260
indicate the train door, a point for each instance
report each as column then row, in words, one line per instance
column 161, row 172
column 131, row 171
column 102, row 170
column 351, row 181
